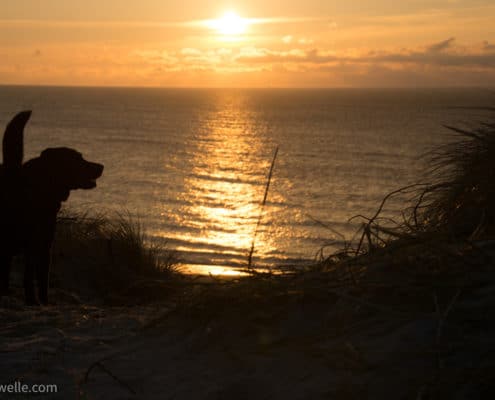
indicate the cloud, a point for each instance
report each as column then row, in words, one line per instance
column 440, row 59
column 279, row 64
column 288, row 39
column 488, row 46
column 72, row 24
column 156, row 57
column 441, row 46
column 433, row 55
column 428, row 64
column 145, row 24
column 305, row 41
column 252, row 55
column 191, row 52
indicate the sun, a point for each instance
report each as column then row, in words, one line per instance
column 230, row 24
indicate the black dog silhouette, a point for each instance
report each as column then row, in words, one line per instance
column 30, row 198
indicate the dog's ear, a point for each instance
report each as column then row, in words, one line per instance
column 13, row 141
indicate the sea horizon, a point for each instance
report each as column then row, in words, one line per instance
column 316, row 87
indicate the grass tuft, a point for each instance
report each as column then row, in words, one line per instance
column 100, row 256
column 461, row 199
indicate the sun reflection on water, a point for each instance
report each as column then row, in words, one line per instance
column 214, row 270
column 224, row 188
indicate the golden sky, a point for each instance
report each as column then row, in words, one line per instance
column 310, row 43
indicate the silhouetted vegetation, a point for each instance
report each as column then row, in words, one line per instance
column 456, row 203
column 462, row 200
column 430, row 269
column 108, row 257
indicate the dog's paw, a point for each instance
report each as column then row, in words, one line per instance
column 4, row 301
column 11, row 303
column 43, row 299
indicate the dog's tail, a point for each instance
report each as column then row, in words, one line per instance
column 13, row 141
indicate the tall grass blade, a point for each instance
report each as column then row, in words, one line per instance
column 267, row 188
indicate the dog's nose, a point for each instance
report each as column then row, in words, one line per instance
column 97, row 169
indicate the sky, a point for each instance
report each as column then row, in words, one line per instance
column 256, row 43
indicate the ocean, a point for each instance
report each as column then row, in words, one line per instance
column 192, row 164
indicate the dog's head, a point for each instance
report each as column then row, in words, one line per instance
column 69, row 170
column 53, row 174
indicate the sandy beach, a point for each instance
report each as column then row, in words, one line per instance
column 297, row 345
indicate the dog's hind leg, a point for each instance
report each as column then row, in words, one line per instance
column 29, row 273
column 5, row 265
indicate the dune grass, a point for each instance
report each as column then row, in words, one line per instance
column 433, row 245
column 455, row 202
column 100, row 256
column 429, row 251
column 461, row 199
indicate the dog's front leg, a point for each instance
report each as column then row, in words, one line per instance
column 31, row 267
column 5, row 265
